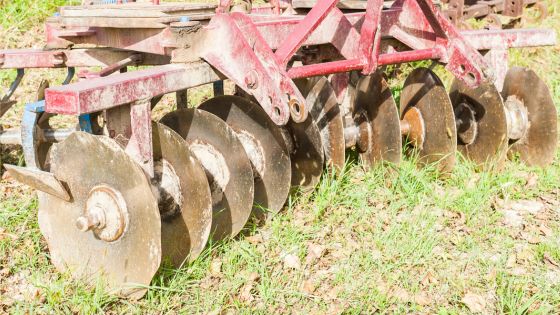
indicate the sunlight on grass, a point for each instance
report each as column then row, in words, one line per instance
column 391, row 239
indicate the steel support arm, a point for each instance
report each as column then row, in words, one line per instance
column 104, row 93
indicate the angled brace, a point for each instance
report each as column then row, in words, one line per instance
column 5, row 102
column 420, row 23
column 236, row 48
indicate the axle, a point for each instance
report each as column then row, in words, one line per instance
column 13, row 136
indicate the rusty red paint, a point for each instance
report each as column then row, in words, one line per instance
column 242, row 49
column 236, row 38
column 303, row 29
column 357, row 64
column 370, row 36
column 31, row 58
column 140, row 145
column 98, row 94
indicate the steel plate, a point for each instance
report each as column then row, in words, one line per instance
column 185, row 201
column 374, row 98
column 490, row 142
column 538, row 146
column 227, row 167
column 424, row 90
column 321, row 101
column 265, row 147
column 84, row 161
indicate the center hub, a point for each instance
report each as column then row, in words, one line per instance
column 168, row 187
column 363, row 142
column 412, row 126
column 254, row 151
column 465, row 119
column 215, row 166
column 105, row 214
column 517, row 118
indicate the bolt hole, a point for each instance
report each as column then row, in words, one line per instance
column 277, row 111
column 296, row 108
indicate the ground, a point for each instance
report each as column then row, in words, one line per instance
column 396, row 239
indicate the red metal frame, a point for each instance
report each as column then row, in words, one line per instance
column 254, row 51
column 258, row 52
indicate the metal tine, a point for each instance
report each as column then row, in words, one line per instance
column 5, row 103
column 13, row 86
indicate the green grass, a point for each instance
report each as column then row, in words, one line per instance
column 396, row 239
column 21, row 15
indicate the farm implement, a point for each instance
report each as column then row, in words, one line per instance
column 120, row 194
column 458, row 11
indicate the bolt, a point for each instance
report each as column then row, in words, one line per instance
column 86, row 223
column 251, row 79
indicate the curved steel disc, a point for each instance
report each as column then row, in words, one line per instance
column 185, row 200
column 373, row 96
column 227, row 166
column 265, row 147
column 424, row 90
column 307, row 154
column 84, row 161
column 321, row 101
column 538, row 145
column 490, row 141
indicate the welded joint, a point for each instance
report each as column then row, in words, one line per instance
column 58, row 58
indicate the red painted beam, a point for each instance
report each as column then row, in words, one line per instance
column 103, row 93
column 357, row 64
column 31, row 58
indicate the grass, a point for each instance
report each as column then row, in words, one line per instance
column 394, row 239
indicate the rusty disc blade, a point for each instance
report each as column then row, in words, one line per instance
column 185, row 202
column 307, row 154
column 424, row 91
column 226, row 164
column 374, row 100
column 538, row 145
column 320, row 99
column 85, row 163
column 265, row 147
column 487, row 145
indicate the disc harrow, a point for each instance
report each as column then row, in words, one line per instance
column 121, row 194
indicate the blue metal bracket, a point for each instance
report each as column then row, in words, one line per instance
column 218, row 87
column 29, row 134
column 85, row 123
column 37, row 107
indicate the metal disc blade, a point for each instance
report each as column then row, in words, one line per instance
column 489, row 143
column 538, row 146
column 323, row 107
column 227, row 167
column 373, row 96
column 424, row 90
column 265, row 147
column 307, row 154
column 84, row 162
column 185, row 201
